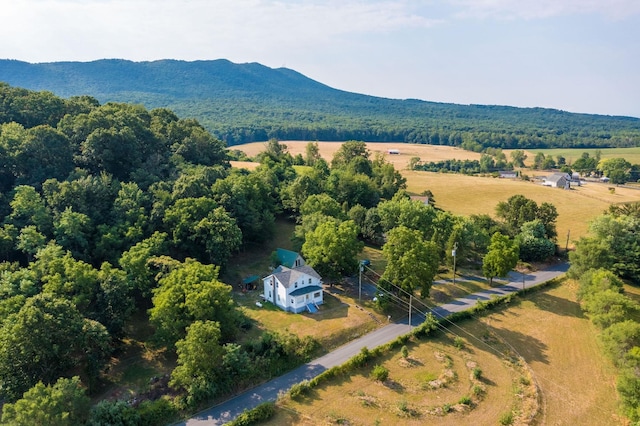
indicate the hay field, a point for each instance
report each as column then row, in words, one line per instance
column 400, row 161
column 632, row 155
column 466, row 195
column 559, row 345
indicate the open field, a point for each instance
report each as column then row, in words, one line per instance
column 559, row 345
column 400, row 161
column 632, row 155
column 441, row 152
column 467, row 195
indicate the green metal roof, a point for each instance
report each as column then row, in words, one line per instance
column 286, row 257
column 250, row 279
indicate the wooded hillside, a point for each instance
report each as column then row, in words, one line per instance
column 242, row 103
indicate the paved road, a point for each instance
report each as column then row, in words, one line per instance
column 228, row 410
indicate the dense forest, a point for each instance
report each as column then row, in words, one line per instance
column 240, row 103
column 115, row 217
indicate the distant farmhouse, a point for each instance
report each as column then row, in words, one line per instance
column 558, row 180
column 508, row 174
column 394, row 151
column 293, row 286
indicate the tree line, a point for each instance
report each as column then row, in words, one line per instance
column 602, row 262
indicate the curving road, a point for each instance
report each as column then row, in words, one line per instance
column 228, row 410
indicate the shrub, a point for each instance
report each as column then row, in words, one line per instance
column 299, row 389
column 405, row 352
column 477, row 373
column 380, row 373
column 262, row 412
column 477, row 391
column 361, row 359
column 157, row 412
column 446, row 408
column 506, row 419
column 458, row 342
column 465, row 400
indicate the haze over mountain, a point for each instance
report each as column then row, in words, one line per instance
column 251, row 102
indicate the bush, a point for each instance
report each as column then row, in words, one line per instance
column 405, row 352
column 477, row 391
column 465, row 400
column 157, row 412
column 361, row 359
column 380, row 373
column 261, row 413
column 477, row 373
column 113, row 413
column 458, row 342
column 299, row 389
column 506, row 419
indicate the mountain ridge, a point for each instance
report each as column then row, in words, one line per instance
column 249, row 102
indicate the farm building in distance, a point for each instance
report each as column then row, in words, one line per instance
column 558, row 180
column 394, row 151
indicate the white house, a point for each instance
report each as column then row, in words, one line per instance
column 294, row 289
column 558, row 180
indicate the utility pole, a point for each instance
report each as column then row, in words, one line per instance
column 410, row 300
column 453, row 253
column 566, row 247
column 360, row 267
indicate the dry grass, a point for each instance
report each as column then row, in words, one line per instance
column 561, row 347
column 425, row 388
column 400, row 161
column 341, row 319
column 562, row 354
column 467, row 195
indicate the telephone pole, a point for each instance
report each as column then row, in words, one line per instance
column 453, row 253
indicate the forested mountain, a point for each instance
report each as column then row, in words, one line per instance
column 242, row 103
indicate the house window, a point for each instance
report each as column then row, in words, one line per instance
column 292, row 301
column 295, row 284
column 316, row 294
column 278, row 297
column 269, row 294
column 309, row 280
column 306, row 296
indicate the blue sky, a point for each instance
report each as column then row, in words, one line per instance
column 574, row 55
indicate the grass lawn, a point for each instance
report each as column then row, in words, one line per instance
column 576, row 382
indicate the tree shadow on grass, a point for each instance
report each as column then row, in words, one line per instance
column 529, row 347
column 557, row 305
